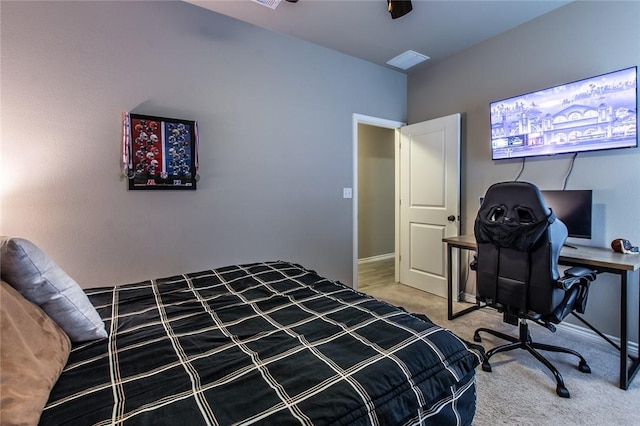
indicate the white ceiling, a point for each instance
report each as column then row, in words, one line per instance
column 364, row 28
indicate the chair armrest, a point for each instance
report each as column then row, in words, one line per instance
column 575, row 275
column 580, row 271
column 576, row 283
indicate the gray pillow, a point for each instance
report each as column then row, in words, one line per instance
column 27, row 269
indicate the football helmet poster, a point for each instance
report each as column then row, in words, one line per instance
column 159, row 152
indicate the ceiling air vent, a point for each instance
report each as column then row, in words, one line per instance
column 408, row 59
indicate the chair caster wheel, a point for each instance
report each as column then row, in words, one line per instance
column 486, row 366
column 562, row 392
column 583, row 367
column 477, row 338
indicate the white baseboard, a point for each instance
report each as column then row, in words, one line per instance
column 590, row 335
column 376, row 258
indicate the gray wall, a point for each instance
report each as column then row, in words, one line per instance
column 376, row 191
column 275, row 123
column 577, row 41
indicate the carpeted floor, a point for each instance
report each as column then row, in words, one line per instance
column 520, row 390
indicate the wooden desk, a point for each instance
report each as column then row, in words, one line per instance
column 598, row 259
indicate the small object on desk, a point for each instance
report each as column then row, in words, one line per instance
column 621, row 245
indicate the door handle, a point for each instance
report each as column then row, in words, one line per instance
column 451, row 218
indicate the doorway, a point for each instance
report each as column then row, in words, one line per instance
column 376, row 206
column 385, row 133
column 428, row 182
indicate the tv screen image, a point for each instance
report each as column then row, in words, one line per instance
column 596, row 113
column 573, row 208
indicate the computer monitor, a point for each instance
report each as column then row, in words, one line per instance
column 573, row 208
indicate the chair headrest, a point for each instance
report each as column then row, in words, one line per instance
column 522, row 201
column 513, row 214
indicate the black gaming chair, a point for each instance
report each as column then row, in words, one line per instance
column 519, row 242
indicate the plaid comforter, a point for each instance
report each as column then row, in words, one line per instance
column 267, row 343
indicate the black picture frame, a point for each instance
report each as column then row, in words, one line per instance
column 160, row 153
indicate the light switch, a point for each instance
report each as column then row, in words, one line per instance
column 347, row 193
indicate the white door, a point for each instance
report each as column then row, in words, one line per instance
column 429, row 201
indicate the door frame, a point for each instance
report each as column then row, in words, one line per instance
column 388, row 124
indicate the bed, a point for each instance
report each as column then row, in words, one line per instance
column 264, row 343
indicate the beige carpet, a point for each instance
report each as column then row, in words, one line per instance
column 520, row 390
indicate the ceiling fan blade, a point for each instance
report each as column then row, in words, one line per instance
column 398, row 8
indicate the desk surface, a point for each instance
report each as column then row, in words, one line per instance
column 595, row 257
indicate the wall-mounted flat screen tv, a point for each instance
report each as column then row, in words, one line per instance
column 596, row 113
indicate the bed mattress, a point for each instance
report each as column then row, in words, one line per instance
column 263, row 343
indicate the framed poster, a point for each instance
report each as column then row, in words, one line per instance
column 160, row 153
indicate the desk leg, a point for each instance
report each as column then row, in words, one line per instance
column 450, row 295
column 635, row 365
column 450, row 282
column 627, row 374
column 624, row 329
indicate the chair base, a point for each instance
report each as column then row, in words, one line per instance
column 524, row 342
